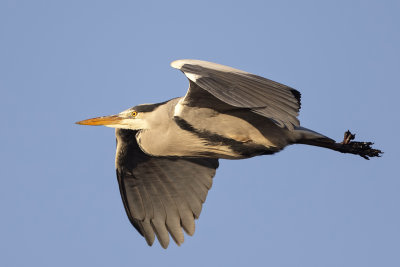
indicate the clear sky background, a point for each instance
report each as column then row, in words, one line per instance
column 64, row 61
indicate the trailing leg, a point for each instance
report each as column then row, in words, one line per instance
column 363, row 149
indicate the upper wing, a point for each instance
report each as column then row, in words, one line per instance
column 244, row 90
column 161, row 194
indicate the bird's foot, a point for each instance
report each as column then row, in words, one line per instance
column 364, row 149
column 348, row 136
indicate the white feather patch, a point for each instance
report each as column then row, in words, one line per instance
column 178, row 108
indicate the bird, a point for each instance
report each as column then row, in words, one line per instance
column 167, row 153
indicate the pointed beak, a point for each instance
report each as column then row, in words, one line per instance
column 106, row 120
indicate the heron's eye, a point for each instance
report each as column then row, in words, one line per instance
column 134, row 113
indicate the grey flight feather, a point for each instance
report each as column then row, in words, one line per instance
column 237, row 88
column 161, row 195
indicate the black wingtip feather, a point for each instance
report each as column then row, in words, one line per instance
column 137, row 225
column 297, row 95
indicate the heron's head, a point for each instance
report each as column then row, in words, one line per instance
column 133, row 118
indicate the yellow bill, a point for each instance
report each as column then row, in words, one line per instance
column 105, row 120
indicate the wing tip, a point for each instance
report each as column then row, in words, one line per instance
column 297, row 96
column 177, row 64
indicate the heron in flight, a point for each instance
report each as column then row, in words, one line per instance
column 167, row 153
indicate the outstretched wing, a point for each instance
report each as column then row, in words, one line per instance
column 161, row 195
column 237, row 88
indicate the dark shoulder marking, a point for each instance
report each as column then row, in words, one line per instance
column 243, row 149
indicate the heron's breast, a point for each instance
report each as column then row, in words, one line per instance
column 182, row 143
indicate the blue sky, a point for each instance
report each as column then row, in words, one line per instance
column 64, row 61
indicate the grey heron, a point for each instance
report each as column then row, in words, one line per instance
column 167, row 153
